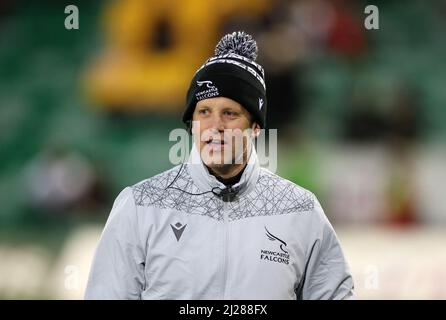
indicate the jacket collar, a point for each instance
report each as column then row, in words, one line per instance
column 206, row 181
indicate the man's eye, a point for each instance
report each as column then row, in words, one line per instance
column 203, row 111
column 231, row 113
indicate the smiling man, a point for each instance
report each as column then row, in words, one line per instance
column 218, row 226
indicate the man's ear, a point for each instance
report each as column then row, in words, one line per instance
column 189, row 127
column 255, row 129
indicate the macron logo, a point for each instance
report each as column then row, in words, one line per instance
column 260, row 103
column 178, row 229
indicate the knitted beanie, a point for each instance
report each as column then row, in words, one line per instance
column 231, row 73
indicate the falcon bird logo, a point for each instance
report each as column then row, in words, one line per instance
column 208, row 84
column 274, row 238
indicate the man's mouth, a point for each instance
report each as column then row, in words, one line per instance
column 215, row 141
column 215, row 144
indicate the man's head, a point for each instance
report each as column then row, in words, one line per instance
column 227, row 92
column 222, row 131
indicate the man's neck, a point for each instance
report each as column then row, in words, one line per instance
column 231, row 173
column 228, row 178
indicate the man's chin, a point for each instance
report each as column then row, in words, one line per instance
column 217, row 164
column 219, row 169
column 217, row 159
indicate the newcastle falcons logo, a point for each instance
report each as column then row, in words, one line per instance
column 275, row 256
column 208, row 90
column 208, row 84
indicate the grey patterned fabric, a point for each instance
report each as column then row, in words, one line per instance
column 272, row 195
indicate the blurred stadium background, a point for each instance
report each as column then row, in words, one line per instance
column 361, row 116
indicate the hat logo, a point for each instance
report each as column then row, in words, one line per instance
column 207, row 90
column 260, row 103
column 208, row 84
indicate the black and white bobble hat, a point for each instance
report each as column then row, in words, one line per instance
column 231, row 73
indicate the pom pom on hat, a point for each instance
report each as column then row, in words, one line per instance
column 238, row 42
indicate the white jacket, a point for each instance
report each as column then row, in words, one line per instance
column 272, row 242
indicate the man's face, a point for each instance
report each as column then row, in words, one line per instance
column 221, row 131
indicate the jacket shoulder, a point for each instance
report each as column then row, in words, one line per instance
column 153, row 189
column 287, row 195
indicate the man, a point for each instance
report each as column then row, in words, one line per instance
column 219, row 226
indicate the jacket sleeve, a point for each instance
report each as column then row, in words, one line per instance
column 327, row 275
column 117, row 270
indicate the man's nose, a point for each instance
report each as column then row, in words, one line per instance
column 217, row 123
